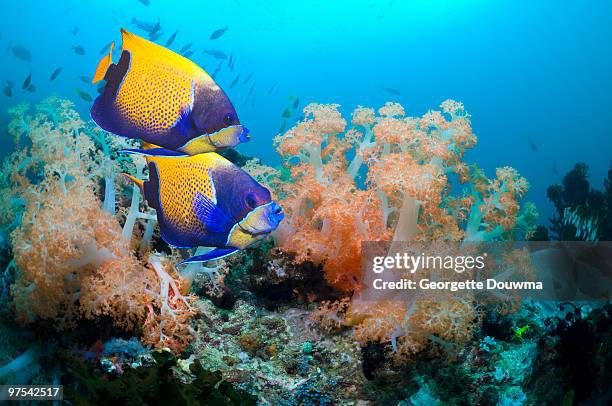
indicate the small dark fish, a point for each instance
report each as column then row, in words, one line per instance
column 296, row 103
column 20, row 52
column 234, row 82
column 7, row 91
column 84, row 79
column 27, row 82
column 145, row 26
column 156, row 30
column 214, row 74
column 215, row 54
column 230, row 62
column 188, row 54
column 155, row 36
column 252, row 88
column 83, row 95
column 233, row 62
column 55, row 74
column 105, row 48
column 78, row 49
column 171, row 39
column 286, row 113
column 10, row 84
column 391, row 90
column 100, row 88
column 186, row 48
column 31, row 88
column 271, row 88
column 218, row 33
column 250, row 75
column 283, row 126
column 533, row 146
column 145, row 2
column 75, row 30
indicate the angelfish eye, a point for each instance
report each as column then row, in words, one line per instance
column 250, row 201
column 228, row 119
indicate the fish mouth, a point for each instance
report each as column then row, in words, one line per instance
column 260, row 222
column 244, row 136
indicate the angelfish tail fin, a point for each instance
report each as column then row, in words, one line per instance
column 103, row 65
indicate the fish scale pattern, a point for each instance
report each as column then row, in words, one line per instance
column 157, row 87
column 182, row 180
column 154, row 95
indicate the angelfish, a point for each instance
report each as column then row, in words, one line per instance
column 205, row 200
column 160, row 97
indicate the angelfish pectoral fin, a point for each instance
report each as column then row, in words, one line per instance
column 215, row 219
column 154, row 152
column 184, row 124
column 213, row 255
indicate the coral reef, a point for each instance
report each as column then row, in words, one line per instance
column 582, row 212
column 72, row 257
column 154, row 383
column 288, row 322
column 278, row 355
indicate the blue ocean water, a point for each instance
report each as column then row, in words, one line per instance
column 527, row 71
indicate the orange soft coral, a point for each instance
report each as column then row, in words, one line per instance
column 63, row 237
column 328, row 216
column 69, row 249
column 329, row 211
column 385, row 176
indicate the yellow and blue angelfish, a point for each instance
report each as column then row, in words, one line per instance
column 163, row 98
column 205, row 200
